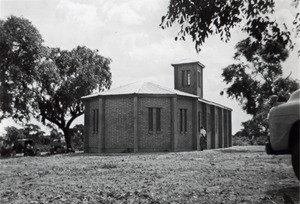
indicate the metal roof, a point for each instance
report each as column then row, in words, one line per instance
column 141, row 88
column 188, row 61
column 149, row 89
column 214, row 104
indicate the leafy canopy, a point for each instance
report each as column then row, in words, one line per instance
column 257, row 75
column 46, row 83
column 20, row 51
column 64, row 77
column 202, row 18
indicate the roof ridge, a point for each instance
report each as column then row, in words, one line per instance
column 174, row 91
column 213, row 103
column 119, row 87
column 140, row 87
column 164, row 88
column 124, row 85
column 183, row 92
column 188, row 61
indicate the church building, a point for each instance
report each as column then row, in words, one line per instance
column 146, row 117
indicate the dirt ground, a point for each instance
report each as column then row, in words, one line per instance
column 232, row 175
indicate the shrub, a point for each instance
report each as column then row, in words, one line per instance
column 261, row 140
column 241, row 141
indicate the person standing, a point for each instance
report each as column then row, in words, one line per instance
column 202, row 138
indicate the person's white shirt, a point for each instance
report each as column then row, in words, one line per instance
column 203, row 132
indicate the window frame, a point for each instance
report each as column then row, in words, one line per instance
column 199, row 121
column 183, row 120
column 150, row 119
column 158, row 119
column 186, row 78
column 154, row 120
column 199, row 79
column 95, row 121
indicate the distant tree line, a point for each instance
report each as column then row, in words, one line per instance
column 40, row 138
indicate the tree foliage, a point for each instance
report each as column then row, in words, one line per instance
column 258, row 125
column 46, row 83
column 200, row 19
column 258, row 75
column 20, row 51
column 33, row 132
column 77, row 133
column 13, row 134
column 255, row 77
column 64, row 77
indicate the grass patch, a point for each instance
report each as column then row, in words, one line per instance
column 108, row 166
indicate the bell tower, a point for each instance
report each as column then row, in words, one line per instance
column 189, row 77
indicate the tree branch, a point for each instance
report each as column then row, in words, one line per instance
column 73, row 118
column 52, row 120
column 289, row 75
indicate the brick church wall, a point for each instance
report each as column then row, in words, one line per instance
column 118, row 124
column 193, row 88
column 154, row 141
column 185, row 140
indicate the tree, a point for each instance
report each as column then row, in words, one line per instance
column 33, row 132
column 200, row 19
column 20, row 51
column 258, row 125
column 78, row 136
column 257, row 75
column 55, row 134
column 46, row 83
column 64, row 77
column 13, row 134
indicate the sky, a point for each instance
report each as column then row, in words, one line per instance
column 128, row 32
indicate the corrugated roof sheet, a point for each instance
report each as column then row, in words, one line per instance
column 141, row 88
column 188, row 61
column 213, row 103
column 149, row 88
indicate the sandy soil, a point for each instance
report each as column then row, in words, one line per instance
column 232, row 175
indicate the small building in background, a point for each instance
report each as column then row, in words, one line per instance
column 146, row 117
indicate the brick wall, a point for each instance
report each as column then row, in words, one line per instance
column 118, row 124
column 225, row 128
column 221, row 116
column 200, row 116
column 117, row 134
column 216, row 127
column 229, row 129
column 185, row 140
column 194, row 87
column 208, row 126
column 154, row 141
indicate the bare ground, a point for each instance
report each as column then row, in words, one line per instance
column 232, row 175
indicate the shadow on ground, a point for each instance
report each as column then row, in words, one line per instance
column 239, row 150
column 290, row 195
column 82, row 154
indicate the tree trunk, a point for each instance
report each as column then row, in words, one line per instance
column 67, row 138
